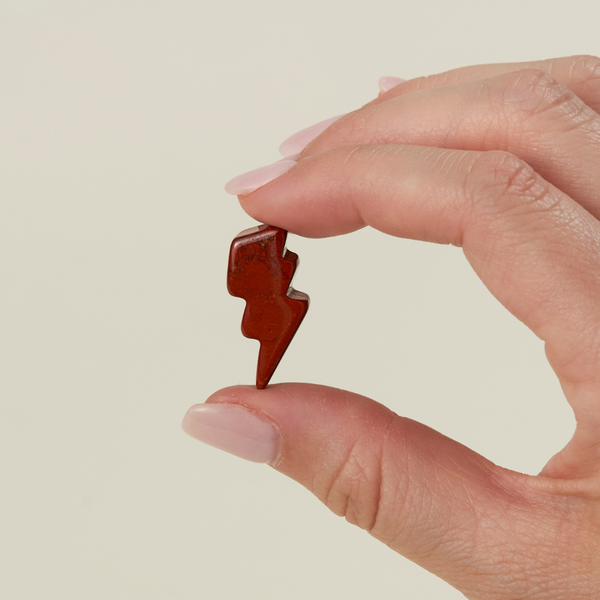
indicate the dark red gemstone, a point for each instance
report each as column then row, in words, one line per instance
column 261, row 271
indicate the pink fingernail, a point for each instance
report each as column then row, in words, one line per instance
column 248, row 182
column 234, row 429
column 387, row 83
column 297, row 142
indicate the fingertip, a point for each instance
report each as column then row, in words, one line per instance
column 388, row 82
column 252, row 180
column 299, row 140
column 235, row 428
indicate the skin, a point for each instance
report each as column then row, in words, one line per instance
column 504, row 161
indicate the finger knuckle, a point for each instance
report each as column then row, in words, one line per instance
column 584, row 67
column 354, row 490
column 500, row 182
column 584, row 72
column 534, row 92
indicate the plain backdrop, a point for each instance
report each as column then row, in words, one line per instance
column 120, row 122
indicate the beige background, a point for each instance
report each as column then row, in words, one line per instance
column 120, row 121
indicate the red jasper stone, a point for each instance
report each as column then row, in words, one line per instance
column 261, row 271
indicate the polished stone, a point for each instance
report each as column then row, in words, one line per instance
column 261, row 271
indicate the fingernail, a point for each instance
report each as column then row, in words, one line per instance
column 234, row 429
column 248, row 182
column 297, row 142
column 387, row 83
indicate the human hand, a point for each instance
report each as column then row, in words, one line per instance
column 504, row 161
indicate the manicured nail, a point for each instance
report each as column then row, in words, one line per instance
column 297, row 142
column 234, row 429
column 248, row 182
column 387, row 83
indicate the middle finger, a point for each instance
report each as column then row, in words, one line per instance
column 527, row 113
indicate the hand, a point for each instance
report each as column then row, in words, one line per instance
column 504, row 161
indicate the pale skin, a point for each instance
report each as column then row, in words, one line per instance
column 504, row 161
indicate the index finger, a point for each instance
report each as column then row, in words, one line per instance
column 535, row 248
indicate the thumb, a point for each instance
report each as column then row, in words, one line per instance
column 423, row 494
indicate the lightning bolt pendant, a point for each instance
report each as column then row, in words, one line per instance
column 261, row 271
